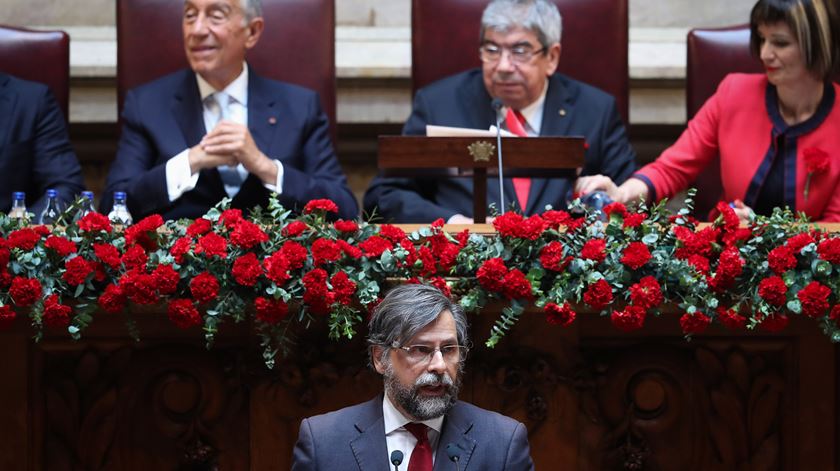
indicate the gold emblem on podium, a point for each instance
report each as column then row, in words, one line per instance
column 481, row 151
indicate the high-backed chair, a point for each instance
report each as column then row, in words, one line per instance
column 39, row 56
column 297, row 45
column 712, row 54
column 445, row 41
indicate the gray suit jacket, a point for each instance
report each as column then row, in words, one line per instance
column 353, row 438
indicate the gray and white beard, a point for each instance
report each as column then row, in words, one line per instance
column 418, row 406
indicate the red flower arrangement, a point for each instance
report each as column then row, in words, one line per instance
column 817, row 162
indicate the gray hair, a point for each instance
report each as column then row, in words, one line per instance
column 408, row 309
column 539, row 16
column 252, row 9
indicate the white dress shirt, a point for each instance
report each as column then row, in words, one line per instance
column 398, row 438
column 532, row 113
column 179, row 178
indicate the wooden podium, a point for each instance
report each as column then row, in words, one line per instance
column 552, row 157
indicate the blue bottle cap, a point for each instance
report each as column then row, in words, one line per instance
column 88, row 194
column 18, row 195
column 51, row 193
column 119, row 195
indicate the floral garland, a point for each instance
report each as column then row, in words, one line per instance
column 225, row 267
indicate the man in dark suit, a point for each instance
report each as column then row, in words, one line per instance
column 196, row 136
column 520, row 50
column 417, row 337
column 35, row 151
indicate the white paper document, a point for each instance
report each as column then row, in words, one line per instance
column 448, row 131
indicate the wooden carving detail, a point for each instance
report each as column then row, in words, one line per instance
column 158, row 408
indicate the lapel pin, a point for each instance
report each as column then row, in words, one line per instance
column 272, row 120
column 562, row 112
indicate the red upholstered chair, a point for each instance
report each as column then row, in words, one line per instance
column 712, row 54
column 39, row 56
column 445, row 35
column 297, row 45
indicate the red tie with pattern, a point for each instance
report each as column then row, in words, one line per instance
column 522, row 185
column 421, row 457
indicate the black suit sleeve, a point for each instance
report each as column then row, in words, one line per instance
column 613, row 155
column 303, row 456
column 407, row 200
column 519, row 452
column 54, row 164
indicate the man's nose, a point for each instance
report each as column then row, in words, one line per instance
column 437, row 363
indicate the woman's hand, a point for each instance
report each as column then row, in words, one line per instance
column 744, row 212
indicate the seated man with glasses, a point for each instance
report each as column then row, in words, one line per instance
column 520, row 51
column 418, row 343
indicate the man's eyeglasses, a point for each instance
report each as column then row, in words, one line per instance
column 520, row 54
column 423, row 353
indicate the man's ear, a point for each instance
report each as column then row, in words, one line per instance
column 376, row 354
column 255, row 29
column 553, row 55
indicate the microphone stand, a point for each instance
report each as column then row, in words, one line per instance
column 497, row 107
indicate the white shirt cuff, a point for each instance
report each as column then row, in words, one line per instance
column 179, row 179
column 278, row 185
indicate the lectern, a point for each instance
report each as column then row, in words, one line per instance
column 545, row 157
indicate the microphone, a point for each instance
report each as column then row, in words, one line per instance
column 454, row 454
column 497, row 107
column 396, row 459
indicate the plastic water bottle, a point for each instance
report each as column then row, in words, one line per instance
column 87, row 206
column 18, row 210
column 52, row 211
column 593, row 202
column 119, row 214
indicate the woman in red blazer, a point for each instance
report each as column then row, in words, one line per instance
column 777, row 134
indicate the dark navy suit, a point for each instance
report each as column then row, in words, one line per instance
column 571, row 108
column 353, row 438
column 164, row 117
column 35, row 151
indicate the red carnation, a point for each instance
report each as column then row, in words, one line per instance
column 829, row 250
column 166, row 279
column 92, row 222
column 246, row 270
column 182, row 313
column 180, row 248
column 694, row 323
column 24, row 239
column 134, row 257
column 630, row 319
column 322, row 204
column 231, row 217
column 516, row 286
column 349, row 250
column 463, row 237
column 392, row 233
column 55, row 313
column 773, row 290
column 635, row 255
column 559, row 315
column 346, row 226
column 199, row 227
column 294, row 229
column 834, row 315
column 276, row 268
column 427, row 259
column 634, row 220
column 781, row 259
column 139, row 287
column 731, row 319
column 513, row 224
column 594, row 249
column 212, row 244
column 375, row 246
column 315, row 292
column 270, row 311
column 598, row 294
column 246, row 234
column 204, row 287
column 445, row 251
column 814, row 299
column 441, row 285
column 551, row 256
column 325, row 250
column 700, row 263
column 647, row 293
column 142, row 232
column 77, row 270
column 343, row 288
column 727, row 215
column 107, row 254
column 25, row 291
column 799, row 241
column 491, row 274
column 5, row 255
column 294, row 253
column 817, row 161
column 112, row 299
column 61, row 245
column 617, row 208
column 774, row 323
column 7, row 316
column 554, row 219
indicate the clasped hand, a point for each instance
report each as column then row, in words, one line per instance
column 230, row 143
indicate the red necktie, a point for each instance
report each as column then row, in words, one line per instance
column 421, row 457
column 522, row 185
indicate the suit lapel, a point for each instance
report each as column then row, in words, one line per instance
column 457, row 428
column 7, row 106
column 557, row 98
column 262, row 117
column 369, row 447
